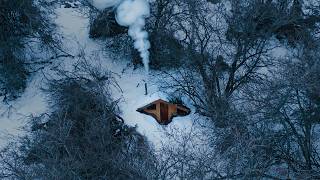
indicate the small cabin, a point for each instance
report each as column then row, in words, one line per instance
column 164, row 111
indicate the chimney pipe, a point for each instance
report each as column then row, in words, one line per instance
column 146, row 89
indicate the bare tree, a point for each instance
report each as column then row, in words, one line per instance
column 289, row 104
column 187, row 156
column 224, row 65
column 212, row 72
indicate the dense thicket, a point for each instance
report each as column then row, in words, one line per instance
column 22, row 23
column 82, row 136
column 103, row 24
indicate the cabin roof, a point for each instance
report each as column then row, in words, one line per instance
column 154, row 102
column 171, row 111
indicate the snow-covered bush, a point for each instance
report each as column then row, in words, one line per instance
column 23, row 22
column 82, row 136
column 13, row 76
column 166, row 51
column 260, row 19
column 104, row 25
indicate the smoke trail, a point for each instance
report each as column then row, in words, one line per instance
column 132, row 14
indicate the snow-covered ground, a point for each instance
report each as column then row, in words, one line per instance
column 14, row 115
column 73, row 25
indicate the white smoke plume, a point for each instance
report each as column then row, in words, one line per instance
column 132, row 14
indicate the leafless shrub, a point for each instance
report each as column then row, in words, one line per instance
column 23, row 23
column 82, row 136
